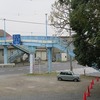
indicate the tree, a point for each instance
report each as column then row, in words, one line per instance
column 59, row 17
column 85, row 21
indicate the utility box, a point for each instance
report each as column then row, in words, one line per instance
column 16, row 39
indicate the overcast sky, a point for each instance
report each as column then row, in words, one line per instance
column 25, row 10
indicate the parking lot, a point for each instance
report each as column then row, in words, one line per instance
column 41, row 87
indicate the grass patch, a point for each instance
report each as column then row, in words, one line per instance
column 43, row 74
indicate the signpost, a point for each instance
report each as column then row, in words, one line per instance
column 17, row 39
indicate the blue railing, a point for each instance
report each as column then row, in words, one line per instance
column 43, row 41
column 39, row 38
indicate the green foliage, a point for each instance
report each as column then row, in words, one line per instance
column 85, row 21
column 64, row 1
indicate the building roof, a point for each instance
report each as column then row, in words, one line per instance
column 2, row 33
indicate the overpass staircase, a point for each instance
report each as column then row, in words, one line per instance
column 65, row 46
column 19, row 52
column 16, row 54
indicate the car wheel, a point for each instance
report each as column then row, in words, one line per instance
column 76, row 80
column 59, row 78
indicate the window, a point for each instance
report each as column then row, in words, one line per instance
column 63, row 73
column 69, row 73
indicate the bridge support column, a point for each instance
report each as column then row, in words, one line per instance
column 32, row 61
column 32, row 58
column 5, row 55
column 49, row 51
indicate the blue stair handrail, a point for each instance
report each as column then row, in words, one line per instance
column 65, row 46
column 22, row 48
column 16, row 54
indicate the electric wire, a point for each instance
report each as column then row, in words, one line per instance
column 27, row 22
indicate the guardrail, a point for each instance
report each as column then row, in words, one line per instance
column 8, row 64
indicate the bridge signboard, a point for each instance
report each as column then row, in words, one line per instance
column 16, row 39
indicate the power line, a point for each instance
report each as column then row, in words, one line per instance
column 27, row 22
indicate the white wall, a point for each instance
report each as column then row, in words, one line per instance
column 42, row 55
column 63, row 57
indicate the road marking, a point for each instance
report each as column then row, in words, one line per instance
column 11, row 88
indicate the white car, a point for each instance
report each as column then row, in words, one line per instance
column 68, row 75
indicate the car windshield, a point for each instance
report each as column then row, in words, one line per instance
column 66, row 73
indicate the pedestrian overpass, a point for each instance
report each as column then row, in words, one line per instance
column 28, row 44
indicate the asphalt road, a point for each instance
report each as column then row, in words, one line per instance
column 16, row 85
column 24, row 69
column 40, row 87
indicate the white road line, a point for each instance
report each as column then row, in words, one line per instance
column 11, row 88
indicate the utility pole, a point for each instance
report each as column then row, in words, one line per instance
column 46, row 25
column 70, row 36
column 71, row 67
column 4, row 29
column 5, row 46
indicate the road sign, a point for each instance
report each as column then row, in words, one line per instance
column 16, row 39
